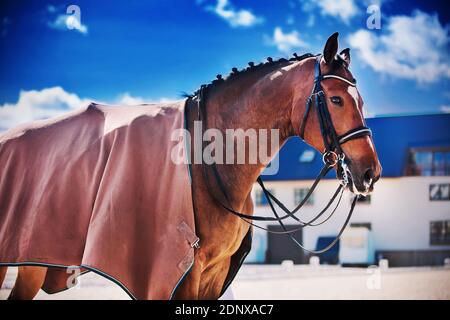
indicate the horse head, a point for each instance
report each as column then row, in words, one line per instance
column 333, row 123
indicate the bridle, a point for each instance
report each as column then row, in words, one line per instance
column 333, row 156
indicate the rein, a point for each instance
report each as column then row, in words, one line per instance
column 333, row 156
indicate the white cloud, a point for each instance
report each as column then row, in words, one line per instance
column 39, row 104
column 52, row 102
column 68, row 22
column 413, row 47
column 127, row 99
column 340, row 9
column 286, row 42
column 236, row 18
column 445, row 108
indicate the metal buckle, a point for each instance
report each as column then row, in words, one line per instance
column 344, row 168
column 330, row 158
column 196, row 244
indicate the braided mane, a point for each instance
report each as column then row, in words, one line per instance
column 236, row 73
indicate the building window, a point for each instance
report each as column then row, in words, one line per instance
column 300, row 194
column 307, row 156
column 428, row 162
column 440, row 192
column 260, row 197
column 440, row 233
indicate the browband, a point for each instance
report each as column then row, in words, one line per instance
column 351, row 83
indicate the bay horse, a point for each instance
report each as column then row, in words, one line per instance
column 272, row 95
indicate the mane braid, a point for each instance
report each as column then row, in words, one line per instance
column 235, row 73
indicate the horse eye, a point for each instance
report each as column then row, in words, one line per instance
column 336, row 100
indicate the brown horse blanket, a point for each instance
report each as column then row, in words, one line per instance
column 97, row 188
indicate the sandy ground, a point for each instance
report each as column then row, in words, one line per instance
column 293, row 282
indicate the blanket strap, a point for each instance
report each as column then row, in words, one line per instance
column 190, row 236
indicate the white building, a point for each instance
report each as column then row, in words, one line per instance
column 408, row 214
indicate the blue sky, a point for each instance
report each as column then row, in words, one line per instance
column 133, row 51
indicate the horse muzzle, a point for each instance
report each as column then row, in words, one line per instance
column 360, row 182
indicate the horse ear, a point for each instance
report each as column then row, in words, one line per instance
column 331, row 47
column 345, row 54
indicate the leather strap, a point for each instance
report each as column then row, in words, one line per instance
column 328, row 247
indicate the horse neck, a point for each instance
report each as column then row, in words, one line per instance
column 262, row 102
